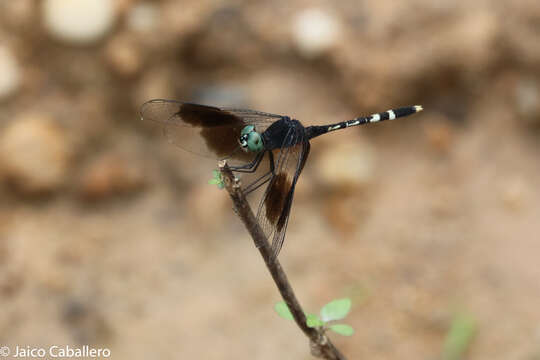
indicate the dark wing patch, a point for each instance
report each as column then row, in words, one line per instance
column 274, row 210
column 281, row 226
column 205, row 130
column 207, row 116
column 275, row 200
column 219, row 129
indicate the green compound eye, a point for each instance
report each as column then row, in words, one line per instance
column 247, row 130
column 255, row 143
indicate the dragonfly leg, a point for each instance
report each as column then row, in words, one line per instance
column 271, row 160
column 258, row 183
column 250, row 167
column 266, row 177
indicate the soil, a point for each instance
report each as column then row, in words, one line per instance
column 111, row 237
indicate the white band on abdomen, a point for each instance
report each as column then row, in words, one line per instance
column 375, row 118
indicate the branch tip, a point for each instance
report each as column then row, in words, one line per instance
column 320, row 347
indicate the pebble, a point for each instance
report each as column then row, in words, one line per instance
column 347, row 164
column 34, row 154
column 345, row 212
column 472, row 40
column 439, row 135
column 344, row 168
column 528, row 101
column 110, row 175
column 315, row 32
column 85, row 322
column 514, row 193
column 19, row 14
column 9, row 284
column 79, row 22
column 143, row 17
column 155, row 83
column 10, row 77
column 208, row 207
column 443, row 201
column 123, row 56
column 54, row 280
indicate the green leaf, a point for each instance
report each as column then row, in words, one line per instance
column 459, row 336
column 313, row 321
column 342, row 329
column 217, row 179
column 283, row 310
column 336, row 309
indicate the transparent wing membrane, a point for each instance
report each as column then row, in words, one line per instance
column 274, row 208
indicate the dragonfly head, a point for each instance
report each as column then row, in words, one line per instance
column 250, row 140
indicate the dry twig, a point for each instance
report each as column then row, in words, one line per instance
column 320, row 344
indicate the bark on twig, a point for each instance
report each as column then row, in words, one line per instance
column 320, row 344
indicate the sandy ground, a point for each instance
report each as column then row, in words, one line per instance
column 110, row 237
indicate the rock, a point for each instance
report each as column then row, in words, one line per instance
column 79, row 22
column 10, row 77
column 444, row 201
column 34, row 154
column 315, row 32
column 155, row 83
column 54, row 280
column 528, row 101
column 143, row 17
column 208, row 207
column 86, row 322
column 210, row 46
column 471, row 42
column 124, row 6
column 10, row 283
column 514, row 193
column 110, row 175
column 123, row 56
column 345, row 168
column 346, row 164
column 439, row 135
column 346, row 211
column 18, row 14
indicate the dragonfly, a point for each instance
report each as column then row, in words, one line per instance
column 252, row 137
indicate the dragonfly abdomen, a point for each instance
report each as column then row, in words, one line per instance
column 314, row 131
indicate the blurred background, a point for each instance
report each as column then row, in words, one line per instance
column 111, row 237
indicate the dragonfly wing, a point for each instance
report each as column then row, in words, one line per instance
column 279, row 235
column 261, row 120
column 204, row 130
column 275, row 206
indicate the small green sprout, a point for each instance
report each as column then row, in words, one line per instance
column 459, row 336
column 334, row 310
column 217, row 179
column 313, row 321
column 283, row 310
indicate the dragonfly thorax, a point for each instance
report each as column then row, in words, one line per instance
column 250, row 140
